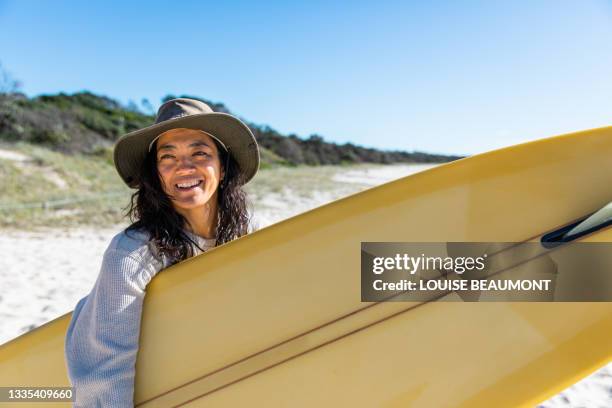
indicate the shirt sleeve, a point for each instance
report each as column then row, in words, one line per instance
column 102, row 338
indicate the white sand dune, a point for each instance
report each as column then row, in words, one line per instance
column 45, row 273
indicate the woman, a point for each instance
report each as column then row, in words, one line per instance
column 188, row 168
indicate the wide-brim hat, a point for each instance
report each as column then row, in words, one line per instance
column 132, row 148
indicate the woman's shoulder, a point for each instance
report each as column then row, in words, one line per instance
column 130, row 258
column 132, row 242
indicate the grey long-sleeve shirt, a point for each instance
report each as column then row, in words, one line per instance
column 102, row 338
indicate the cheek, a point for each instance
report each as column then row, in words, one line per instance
column 164, row 177
column 212, row 170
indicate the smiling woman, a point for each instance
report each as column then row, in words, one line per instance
column 191, row 172
column 188, row 169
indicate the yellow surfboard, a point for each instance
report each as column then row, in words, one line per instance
column 275, row 318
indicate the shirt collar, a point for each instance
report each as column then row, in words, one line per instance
column 204, row 243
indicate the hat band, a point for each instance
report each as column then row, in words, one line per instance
column 206, row 133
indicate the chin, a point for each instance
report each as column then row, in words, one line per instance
column 192, row 204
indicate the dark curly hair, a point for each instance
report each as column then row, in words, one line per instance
column 151, row 210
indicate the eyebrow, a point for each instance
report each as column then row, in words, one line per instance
column 194, row 144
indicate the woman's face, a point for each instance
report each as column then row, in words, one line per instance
column 189, row 168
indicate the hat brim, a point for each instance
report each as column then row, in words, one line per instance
column 132, row 149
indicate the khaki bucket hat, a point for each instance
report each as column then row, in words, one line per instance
column 132, row 148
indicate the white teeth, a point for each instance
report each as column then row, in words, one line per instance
column 189, row 184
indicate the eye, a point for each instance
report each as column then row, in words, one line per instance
column 201, row 153
column 166, row 156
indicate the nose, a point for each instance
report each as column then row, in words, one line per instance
column 185, row 165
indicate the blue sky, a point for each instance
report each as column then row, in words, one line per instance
column 450, row 77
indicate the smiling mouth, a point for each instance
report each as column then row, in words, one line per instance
column 188, row 185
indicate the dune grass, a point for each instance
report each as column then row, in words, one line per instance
column 51, row 189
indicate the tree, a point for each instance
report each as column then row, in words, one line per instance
column 147, row 107
column 8, row 85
